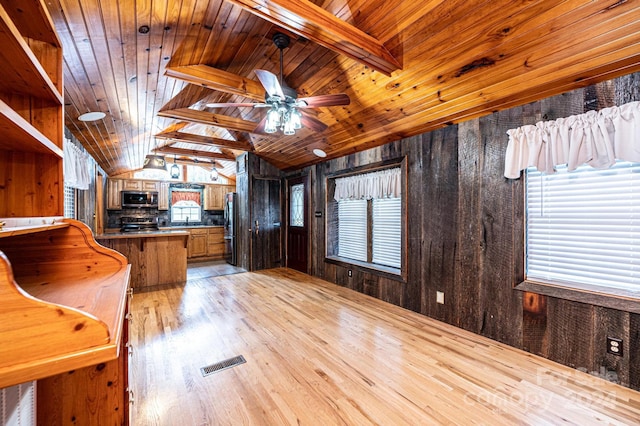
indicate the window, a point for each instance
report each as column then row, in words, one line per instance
column 69, row 202
column 364, row 225
column 186, row 205
column 583, row 228
column 297, row 205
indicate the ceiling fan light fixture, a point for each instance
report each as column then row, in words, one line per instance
column 273, row 120
column 288, row 127
column 296, row 119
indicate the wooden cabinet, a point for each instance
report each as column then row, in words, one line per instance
column 115, row 186
column 114, row 199
column 197, row 246
column 215, row 243
column 30, row 112
column 214, row 196
column 66, row 334
column 163, row 195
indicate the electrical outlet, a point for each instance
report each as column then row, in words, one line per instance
column 350, row 273
column 440, row 297
column 614, row 346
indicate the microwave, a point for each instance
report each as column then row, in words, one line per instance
column 139, row 199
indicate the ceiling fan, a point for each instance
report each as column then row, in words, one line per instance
column 286, row 111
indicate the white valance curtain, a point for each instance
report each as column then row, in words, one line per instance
column 596, row 138
column 382, row 184
column 76, row 166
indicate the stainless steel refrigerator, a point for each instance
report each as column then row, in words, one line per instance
column 230, row 228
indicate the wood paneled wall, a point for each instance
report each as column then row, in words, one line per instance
column 466, row 227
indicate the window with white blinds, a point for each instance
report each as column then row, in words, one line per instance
column 352, row 229
column 583, row 227
column 386, row 231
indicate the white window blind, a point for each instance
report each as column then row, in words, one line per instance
column 583, row 227
column 352, row 229
column 387, row 229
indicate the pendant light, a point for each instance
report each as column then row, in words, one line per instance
column 214, row 174
column 175, row 169
column 154, row 162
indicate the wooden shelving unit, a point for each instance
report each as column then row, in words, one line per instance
column 31, row 120
column 64, row 296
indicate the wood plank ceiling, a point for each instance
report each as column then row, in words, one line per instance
column 408, row 67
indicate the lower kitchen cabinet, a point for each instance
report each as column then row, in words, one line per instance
column 215, row 243
column 197, row 246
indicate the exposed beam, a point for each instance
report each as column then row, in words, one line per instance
column 194, row 153
column 205, row 140
column 304, row 18
column 203, row 117
column 190, row 162
column 223, row 81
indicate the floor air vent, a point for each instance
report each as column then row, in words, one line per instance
column 222, row 365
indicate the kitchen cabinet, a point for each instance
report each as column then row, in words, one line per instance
column 114, row 199
column 215, row 243
column 197, row 246
column 214, row 196
column 115, row 186
column 163, row 195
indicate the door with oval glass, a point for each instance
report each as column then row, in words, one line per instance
column 297, row 226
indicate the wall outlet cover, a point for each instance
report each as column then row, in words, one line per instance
column 614, row 346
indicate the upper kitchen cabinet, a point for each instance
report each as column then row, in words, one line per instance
column 214, row 196
column 31, row 181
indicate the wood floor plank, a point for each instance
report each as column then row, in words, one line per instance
column 322, row 354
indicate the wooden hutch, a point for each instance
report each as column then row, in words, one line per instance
column 64, row 297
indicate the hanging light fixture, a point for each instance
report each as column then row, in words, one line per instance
column 214, row 173
column 152, row 161
column 175, row 169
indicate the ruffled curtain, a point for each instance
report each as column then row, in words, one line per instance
column 596, row 138
column 382, row 184
column 177, row 196
column 76, row 166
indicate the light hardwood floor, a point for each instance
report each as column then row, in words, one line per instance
column 320, row 354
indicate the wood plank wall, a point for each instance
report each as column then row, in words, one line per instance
column 466, row 225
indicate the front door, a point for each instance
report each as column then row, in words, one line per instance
column 297, row 226
column 266, row 243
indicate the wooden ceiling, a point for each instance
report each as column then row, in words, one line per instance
column 408, row 67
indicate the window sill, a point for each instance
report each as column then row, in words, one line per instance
column 385, row 271
column 621, row 300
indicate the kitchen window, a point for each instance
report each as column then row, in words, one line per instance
column 186, row 206
column 364, row 219
column 583, row 228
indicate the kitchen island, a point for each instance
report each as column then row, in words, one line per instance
column 156, row 257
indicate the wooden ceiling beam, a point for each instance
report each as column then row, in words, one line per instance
column 203, row 117
column 304, row 18
column 222, row 81
column 194, row 153
column 205, row 140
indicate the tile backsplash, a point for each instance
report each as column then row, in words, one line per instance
column 209, row 217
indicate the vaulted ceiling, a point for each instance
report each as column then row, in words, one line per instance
column 408, row 67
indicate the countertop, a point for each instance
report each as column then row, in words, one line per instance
column 142, row 234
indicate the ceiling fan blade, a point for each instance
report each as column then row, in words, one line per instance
column 231, row 104
column 310, row 122
column 270, row 83
column 325, row 100
column 260, row 127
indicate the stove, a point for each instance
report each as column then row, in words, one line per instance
column 138, row 223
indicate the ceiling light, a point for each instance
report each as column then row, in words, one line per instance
column 319, row 153
column 92, row 116
column 154, row 162
column 214, row 173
